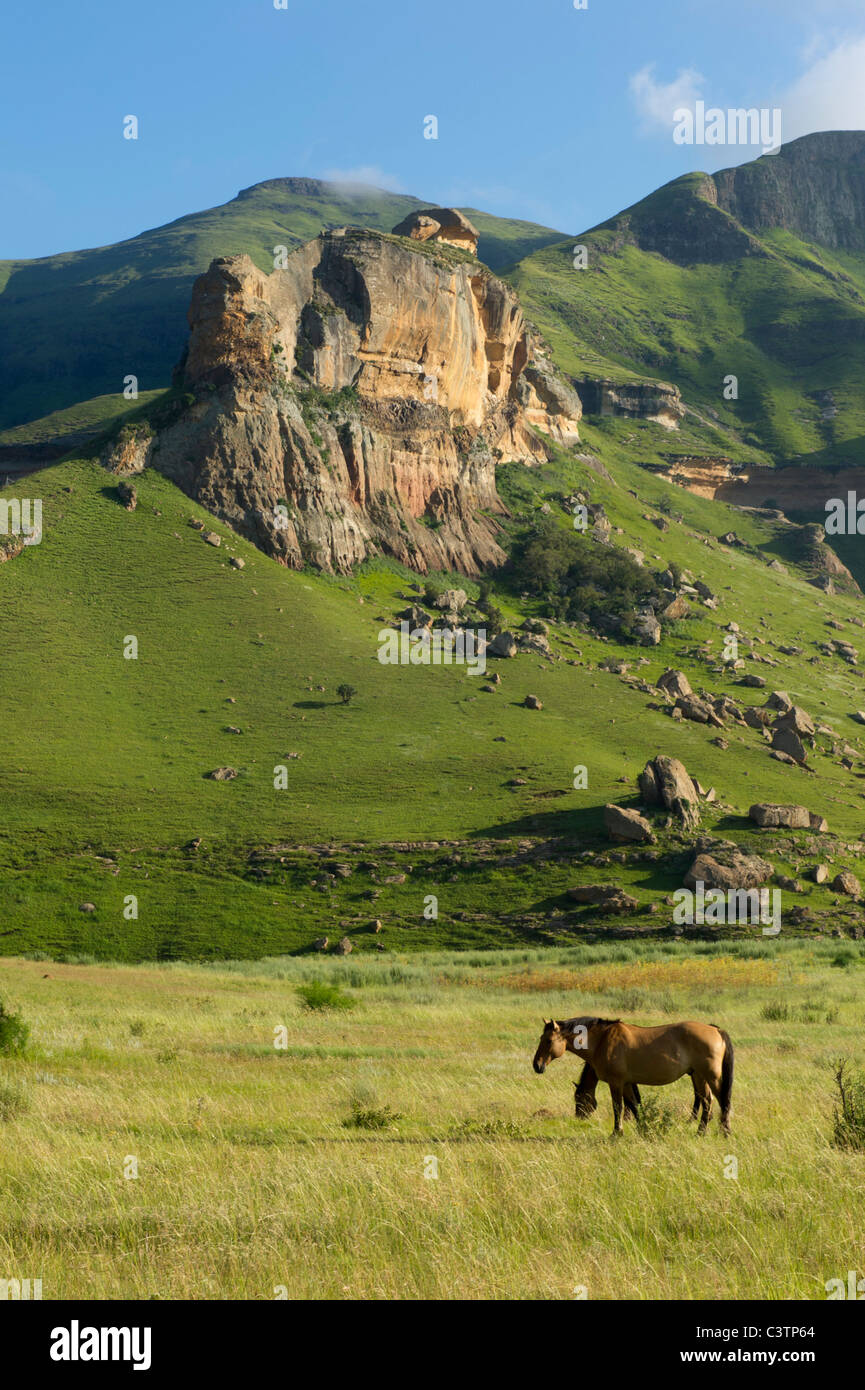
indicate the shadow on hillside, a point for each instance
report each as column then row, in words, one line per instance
column 583, row 822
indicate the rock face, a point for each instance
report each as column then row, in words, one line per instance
column 605, row 897
column 665, row 782
column 358, row 401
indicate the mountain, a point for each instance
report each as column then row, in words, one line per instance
column 72, row 326
column 756, row 273
column 357, row 399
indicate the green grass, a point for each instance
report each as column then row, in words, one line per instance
column 105, row 779
column 262, row 1169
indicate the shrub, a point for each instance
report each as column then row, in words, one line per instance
column 654, row 1119
column 346, row 692
column 14, row 1032
column 775, row 1012
column 319, row 995
column 371, row 1117
column 849, row 1115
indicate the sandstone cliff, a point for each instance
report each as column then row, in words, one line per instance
column 358, row 400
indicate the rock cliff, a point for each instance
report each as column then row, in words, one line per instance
column 358, row 400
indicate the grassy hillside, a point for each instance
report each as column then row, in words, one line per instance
column 676, row 289
column 307, row 1167
column 72, row 326
column 107, row 782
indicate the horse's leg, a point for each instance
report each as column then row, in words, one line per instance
column 702, row 1088
column 695, row 1108
column 616, row 1093
column 631, row 1098
column 724, row 1120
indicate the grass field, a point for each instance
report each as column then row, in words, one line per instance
column 260, row 1167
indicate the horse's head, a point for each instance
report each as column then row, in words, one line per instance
column 552, row 1044
column 584, row 1102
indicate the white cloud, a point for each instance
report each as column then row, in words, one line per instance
column 364, row 173
column 656, row 101
column 830, row 95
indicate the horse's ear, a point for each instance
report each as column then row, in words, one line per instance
column 547, row 1022
column 555, row 1026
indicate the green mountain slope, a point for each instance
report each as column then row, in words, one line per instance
column 104, row 785
column 677, row 289
column 73, row 326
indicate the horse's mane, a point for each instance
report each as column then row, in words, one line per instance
column 587, row 1022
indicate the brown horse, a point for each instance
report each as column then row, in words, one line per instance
column 622, row 1054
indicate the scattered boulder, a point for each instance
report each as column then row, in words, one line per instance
column 797, row 719
column 786, row 741
column 624, row 824
column 606, row 897
column 505, row 644
column 415, row 617
column 532, row 702
column 222, row 774
column 848, row 883
column 665, row 782
column 675, row 683
column 676, row 609
column 647, row 629
column 321, row 943
column 793, row 817
column 452, row 600
column 237, row 563
column 755, row 682
column 728, row 867
column 128, row 496
column 343, row 947
column 819, row 873
column 779, row 699
column 211, row 538
column 86, row 907
column 819, row 824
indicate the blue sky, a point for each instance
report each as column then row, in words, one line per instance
column 545, row 112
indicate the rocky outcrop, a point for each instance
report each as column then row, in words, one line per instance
column 658, row 401
column 726, row 866
column 358, row 400
column 446, row 225
column 791, row 817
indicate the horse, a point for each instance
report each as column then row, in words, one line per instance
column 623, row 1054
column 585, row 1102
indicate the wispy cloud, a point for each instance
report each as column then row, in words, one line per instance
column 364, row 173
column 830, row 94
column 656, row 101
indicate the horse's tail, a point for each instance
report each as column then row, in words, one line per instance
column 726, row 1075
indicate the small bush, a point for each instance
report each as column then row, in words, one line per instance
column 346, row 692
column 14, row 1032
column 13, row 1100
column 849, row 1116
column 655, row 1119
column 319, row 995
column 371, row 1117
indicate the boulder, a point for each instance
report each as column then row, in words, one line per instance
column 676, row 609
column 793, row 817
column 674, row 682
column 451, row 227
column 606, row 897
column 321, row 943
column 755, row 682
column 128, row 496
column 797, row 719
column 505, row 644
column 623, row 823
column 786, row 741
column 211, row 538
column 728, row 868
column 452, row 600
column 819, row 824
column 343, row 947
column 665, row 782
column 848, row 883
column 819, row 873
column 415, row 617
column 236, row 563
column 779, row 699
column 647, row 630
column 532, row 702
column 756, row 718
column 222, row 774
column 698, row 711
